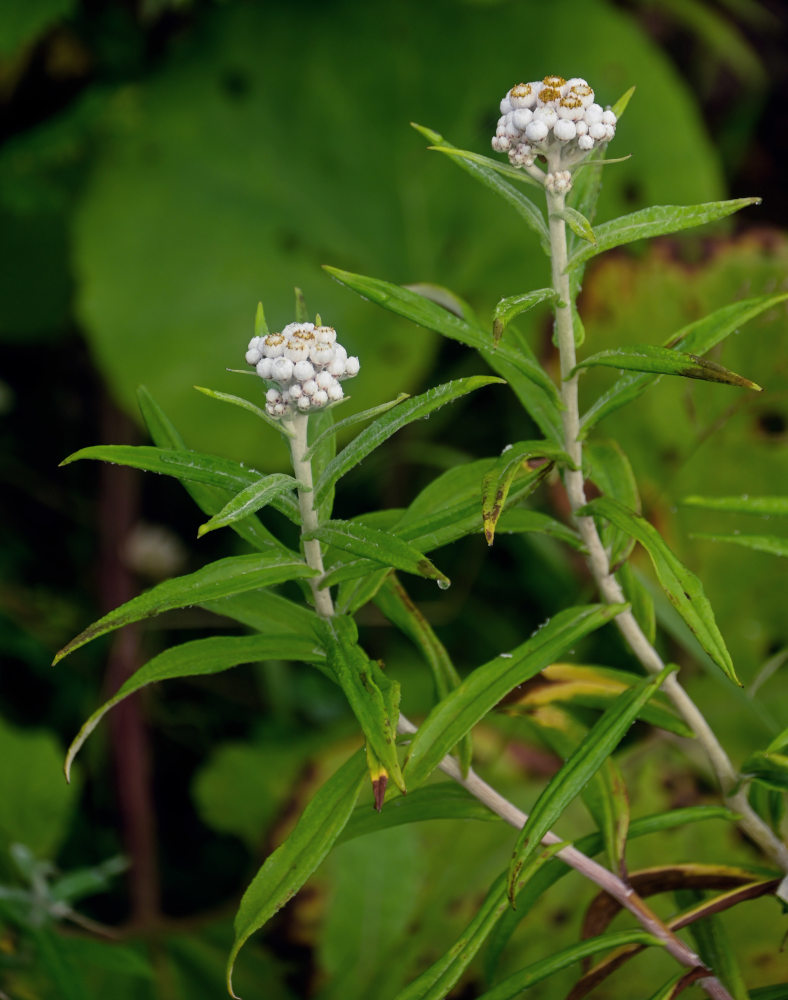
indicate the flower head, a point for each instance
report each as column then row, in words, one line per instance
column 554, row 117
column 304, row 364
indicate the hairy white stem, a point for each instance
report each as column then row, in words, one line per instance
column 599, row 564
column 302, row 468
column 581, row 863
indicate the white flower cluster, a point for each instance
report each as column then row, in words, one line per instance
column 554, row 114
column 307, row 365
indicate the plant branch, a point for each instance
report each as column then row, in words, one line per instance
column 590, row 869
column 599, row 564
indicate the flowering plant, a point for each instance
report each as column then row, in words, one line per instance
column 342, row 565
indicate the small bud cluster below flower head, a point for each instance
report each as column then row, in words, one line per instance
column 306, row 364
column 553, row 114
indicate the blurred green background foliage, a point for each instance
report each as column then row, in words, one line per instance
column 167, row 163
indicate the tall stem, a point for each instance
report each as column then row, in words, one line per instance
column 599, row 563
column 302, row 467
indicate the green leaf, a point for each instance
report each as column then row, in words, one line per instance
column 659, row 220
column 519, row 520
column 436, row 981
column 222, row 578
column 577, row 771
column 591, row 844
column 604, row 795
column 384, row 427
column 590, row 686
column 198, row 658
column 713, row 944
column 641, row 600
column 682, row 587
column 514, row 985
column 768, row 767
column 245, row 404
column 488, row 172
column 481, row 690
column 287, row 869
column 189, row 466
column 372, row 695
column 607, row 465
column 696, row 338
column 772, row 544
column 266, row 612
column 322, row 450
column 37, row 805
column 379, row 546
column 429, row 314
column 765, row 506
column 622, row 103
column 443, row 800
column 578, row 223
column 515, row 459
column 249, row 501
column 395, row 603
column 514, row 305
column 208, row 499
column 356, row 418
column 664, row 361
column 260, row 324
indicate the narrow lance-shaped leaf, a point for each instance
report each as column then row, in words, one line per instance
column 357, row 418
column 514, row 985
column 536, row 456
column 287, row 869
column 444, row 800
column 222, row 578
column 372, row 695
column 714, row 946
column 209, row 500
column 384, row 427
column 395, row 603
column 436, row 981
column 245, row 404
column 429, row 314
column 380, row 546
column 604, row 795
column 681, row 586
column 249, row 501
column 515, row 305
column 577, row 771
column 189, row 466
column 491, row 174
column 659, row 220
column 198, row 658
column 516, row 363
column 591, row 686
column 591, row 844
column 663, row 361
column 607, row 466
column 578, row 223
column 696, row 338
column 260, row 325
column 776, row 506
column 768, row 767
column 481, row 690
column 772, row 544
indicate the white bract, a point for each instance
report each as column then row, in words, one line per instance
column 305, row 364
column 555, row 118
